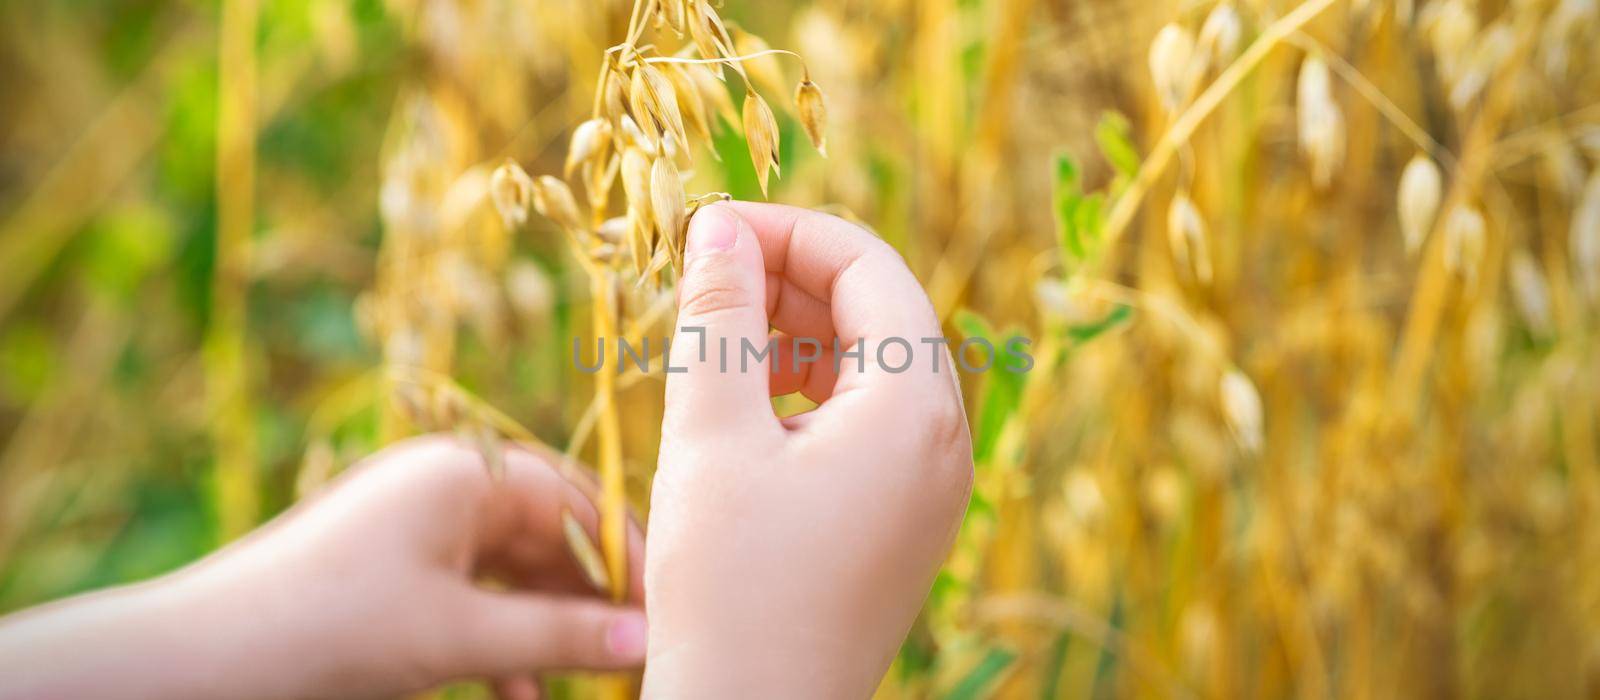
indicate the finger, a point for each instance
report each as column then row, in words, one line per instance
column 523, row 535
column 794, row 311
column 872, row 296
column 803, row 365
column 721, row 308
column 523, row 687
column 503, row 634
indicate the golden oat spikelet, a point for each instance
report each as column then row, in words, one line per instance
column 1186, row 233
column 1171, row 56
column 761, row 134
column 555, row 202
column 666, row 202
column 1321, row 123
column 636, row 177
column 589, row 140
column 652, row 97
column 696, row 117
column 1241, row 407
column 1531, row 292
column 1465, row 237
column 635, row 136
column 1584, row 239
column 710, row 35
column 1219, row 35
column 812, row 108
column 762, row 65
column 672, row 14
column 713, row 91
column 511, row 189
column 1420, row 189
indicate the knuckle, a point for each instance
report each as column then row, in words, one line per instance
column 887, row 252
column 949, row 424
column 586, row 636
column 713, row 299
column 949, row 443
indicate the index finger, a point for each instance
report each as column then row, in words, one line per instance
column 877, row 306
column 521, row 526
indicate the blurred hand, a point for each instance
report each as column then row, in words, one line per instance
column 367, row 589
column 789, row 558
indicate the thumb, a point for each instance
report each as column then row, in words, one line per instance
column 715, row 374
column 510, row 633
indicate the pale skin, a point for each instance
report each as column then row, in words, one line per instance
column 789, row 557
column 786, row 557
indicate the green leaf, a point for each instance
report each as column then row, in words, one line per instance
column 916, row 658
column 977, row 682
column 29, row 360
column 1115, row 136
column 1001, row 392
column 1058, row 659
column 1068, row 198
column 1088, row 331
column 1089, row 218
column 972, row 325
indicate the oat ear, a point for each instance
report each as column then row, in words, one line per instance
column 511, row 190
column 761, row 134
column 666, row 199
column 812, row 108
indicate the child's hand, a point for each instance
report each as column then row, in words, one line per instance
column 367, row 589
column 790, row 557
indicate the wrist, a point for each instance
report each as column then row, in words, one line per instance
column 765, row 665
column 144, row 640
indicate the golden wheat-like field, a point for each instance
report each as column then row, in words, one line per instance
column 1313, row 288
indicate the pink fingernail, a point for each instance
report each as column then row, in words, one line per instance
column 626, row 636
column 713, row 229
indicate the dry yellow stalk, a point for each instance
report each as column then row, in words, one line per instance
column 487, row 442
column 584, row 552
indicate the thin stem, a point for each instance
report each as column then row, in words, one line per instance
column 1525, row 143
column 613, row 497
column 1372, row 94
column 1184, row 126
column 227, row 345
column 727, row 59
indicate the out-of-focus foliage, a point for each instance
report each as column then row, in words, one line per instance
column 1273, row 444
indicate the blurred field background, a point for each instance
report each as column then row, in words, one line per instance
column 1267, row 451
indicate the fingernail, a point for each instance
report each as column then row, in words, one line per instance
column 625, row 638
column 713, row 229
